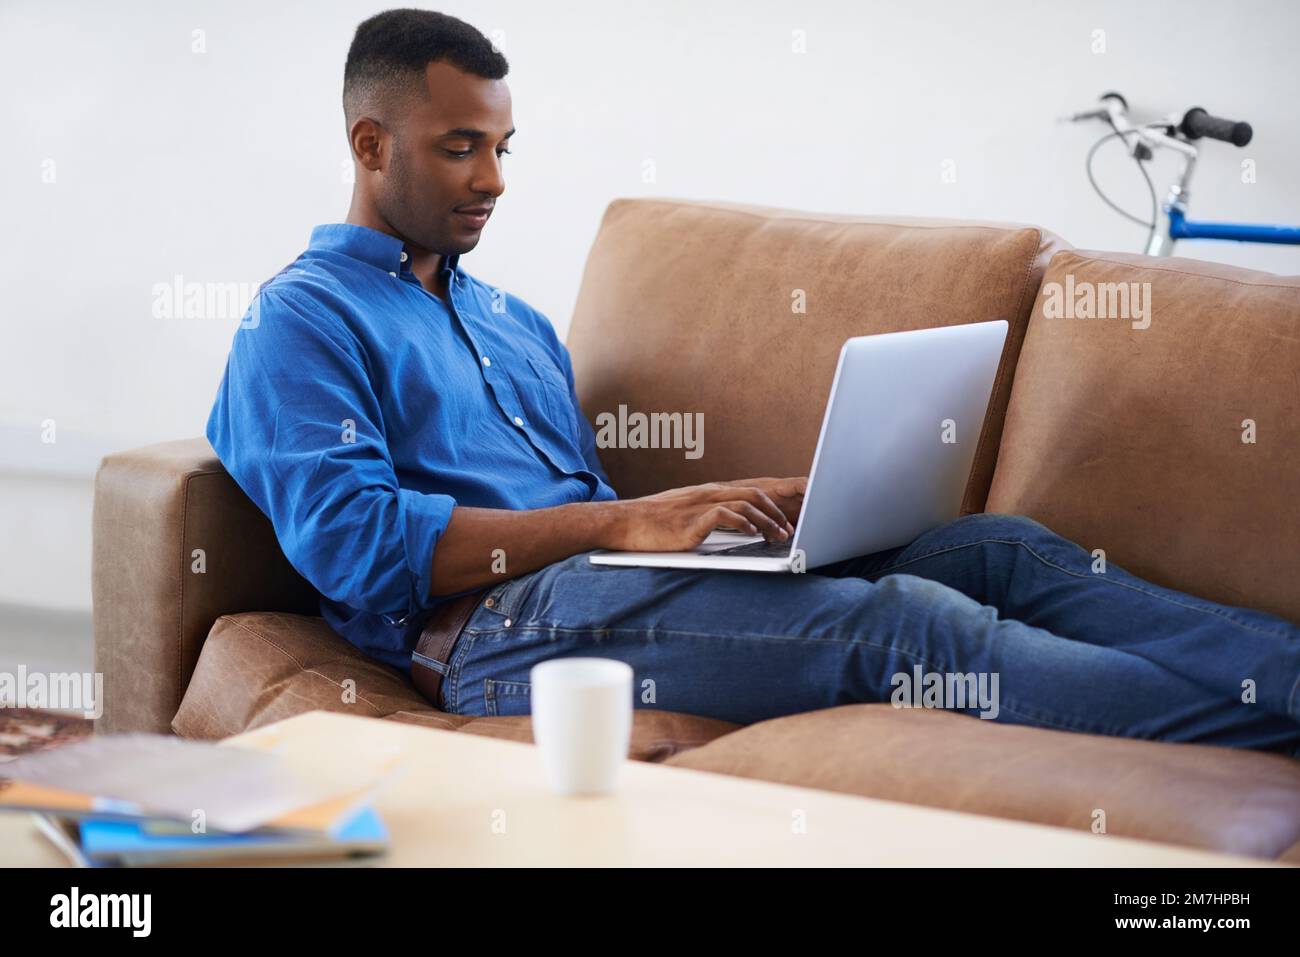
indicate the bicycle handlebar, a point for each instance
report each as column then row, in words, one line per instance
column 1197, row 123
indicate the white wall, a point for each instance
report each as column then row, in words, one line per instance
column 215, row 166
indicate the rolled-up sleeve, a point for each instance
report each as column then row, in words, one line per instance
column 298, row 426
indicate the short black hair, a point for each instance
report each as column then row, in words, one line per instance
column 390, row 51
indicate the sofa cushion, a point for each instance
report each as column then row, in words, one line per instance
column 261, row 667
column 1223, row 799
column 1130, row 439
column 738, row 313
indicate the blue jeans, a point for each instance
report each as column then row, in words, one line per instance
column 997, row 605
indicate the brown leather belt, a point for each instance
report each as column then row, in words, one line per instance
column 437, row 641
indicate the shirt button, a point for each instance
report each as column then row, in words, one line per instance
column 518, row 421
column 393, row 274
column 490, row 602
column 404, row 255
column 487, row 361
column 507, row 623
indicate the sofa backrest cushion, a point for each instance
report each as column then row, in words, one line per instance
column 1174, row 448
column 738, row 313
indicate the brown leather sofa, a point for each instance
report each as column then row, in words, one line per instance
column 1119, row 438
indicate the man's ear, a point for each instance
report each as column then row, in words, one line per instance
column 369, row 143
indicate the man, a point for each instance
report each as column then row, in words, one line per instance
column 414, row 436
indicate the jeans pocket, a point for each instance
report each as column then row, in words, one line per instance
column 502, row 698
column 503, row 602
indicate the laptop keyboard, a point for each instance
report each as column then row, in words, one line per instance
column 757, row 550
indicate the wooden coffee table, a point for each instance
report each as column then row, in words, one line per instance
column 470, row 800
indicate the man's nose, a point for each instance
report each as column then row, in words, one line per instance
column 489, row 177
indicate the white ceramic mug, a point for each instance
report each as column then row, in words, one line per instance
column 582, row 721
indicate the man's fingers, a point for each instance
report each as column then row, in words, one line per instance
column 722, row 515
column 772, row 529
column 761, row 500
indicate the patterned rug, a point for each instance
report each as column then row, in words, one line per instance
column 24, row 730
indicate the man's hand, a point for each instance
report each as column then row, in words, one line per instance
column 681, row 518
column 787, row 493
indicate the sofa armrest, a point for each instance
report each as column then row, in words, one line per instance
column 176, row 544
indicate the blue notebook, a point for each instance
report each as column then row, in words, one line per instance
column 109, row 841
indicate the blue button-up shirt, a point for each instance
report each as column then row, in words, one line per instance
column 357, row 409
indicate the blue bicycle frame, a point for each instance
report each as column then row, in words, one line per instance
column 1180, row 227
column 1173, row 224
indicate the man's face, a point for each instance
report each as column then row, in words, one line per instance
column 438, row 166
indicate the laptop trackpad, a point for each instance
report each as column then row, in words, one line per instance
column 719, row 539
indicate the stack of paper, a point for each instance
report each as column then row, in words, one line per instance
column 143, row 799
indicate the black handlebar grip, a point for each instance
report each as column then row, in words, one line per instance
column 1197, row 123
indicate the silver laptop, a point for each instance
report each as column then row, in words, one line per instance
column 894, row 455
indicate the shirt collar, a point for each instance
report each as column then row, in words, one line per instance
column 370, row 246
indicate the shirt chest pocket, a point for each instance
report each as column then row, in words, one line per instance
column 550, row 384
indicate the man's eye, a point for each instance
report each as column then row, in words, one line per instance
column 461, row 154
